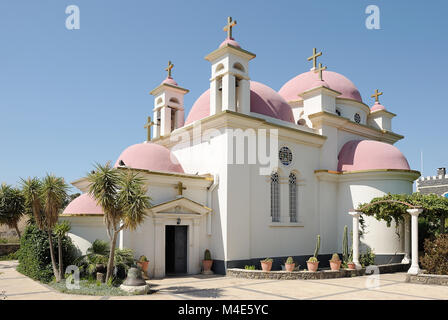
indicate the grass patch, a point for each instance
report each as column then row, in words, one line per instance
column 8, row 257
column 90, row 287
column 10, row 240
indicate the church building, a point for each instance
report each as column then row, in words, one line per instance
column 251, row 172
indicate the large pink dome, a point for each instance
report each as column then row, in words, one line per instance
column 307, row 80
column 84, row 204
column 150, row 156
column 263, row 100
column 369, row 155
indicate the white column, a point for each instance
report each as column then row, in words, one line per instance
column 165, row 125
column 180, row 115
column 196, row 267
column 244, row 96
column 407, row 239
column 214, row 105
column 414, row 269
column 159, row 248
column 228, row 92
column 355, row 216
column 155, row 128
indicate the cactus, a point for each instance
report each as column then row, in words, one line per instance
column 207, row 255
column 316, row 251
column 267, row 260
column 345, row 253
column 289, row 260
column 335, row 257
column 312, row 259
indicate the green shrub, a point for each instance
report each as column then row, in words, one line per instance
column 435, row 260
column 10, row 256
column 207, row 255
column 367, row 258
column 249, row 267
column 34, row 254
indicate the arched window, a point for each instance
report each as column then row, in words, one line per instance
column 238, row 66
column 292, row 198
column 275, row 198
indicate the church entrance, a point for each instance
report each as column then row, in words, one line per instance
column 176, row 249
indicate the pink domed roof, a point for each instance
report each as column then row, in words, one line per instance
column 150, row 156
column 377, row 106
column 170, row 81
column 368, row 155
column 230, row 41
column 263, row 100
column 307, row 80
column 84, row 204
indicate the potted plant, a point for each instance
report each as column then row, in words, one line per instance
column 290, row 264
column 347, row 255
column 144, row 264
column 207, row 262
column 313, row 263
column 266, row 264
column 335, row 262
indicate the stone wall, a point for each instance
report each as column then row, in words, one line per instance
column 428, row 279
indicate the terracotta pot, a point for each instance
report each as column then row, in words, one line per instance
column 207, row 265
column 312, row 266
column 351, row 266
column 144, row 265
column 335, row 265
column 266, row 266
column 290, row 266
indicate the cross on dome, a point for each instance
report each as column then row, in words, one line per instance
column 319, row 70
column 314, row 58
column 376, row 95
column 148, row 126
column 229, row 26
column 168, row 69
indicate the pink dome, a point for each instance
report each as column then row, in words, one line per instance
column 263, row 100
column 307, row 80
column 230, row 41
column 150, row 156
column 84, row 204
column 377, row 106
column 170, row 81
column 368, row 155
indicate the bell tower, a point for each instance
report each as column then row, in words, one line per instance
column 230, row 82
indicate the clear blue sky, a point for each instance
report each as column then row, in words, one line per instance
column 69, row 98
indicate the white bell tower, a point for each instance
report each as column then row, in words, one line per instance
column 168, row 105
column 229, row 82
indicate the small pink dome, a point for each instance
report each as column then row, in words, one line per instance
column 377, row 106
column 263, row 100
column 230, row 41
column 170, row 81
column 369, row 155
column 307, row 80
column 150, row 156
column 84, row 204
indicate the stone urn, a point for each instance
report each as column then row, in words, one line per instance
column 134, row 282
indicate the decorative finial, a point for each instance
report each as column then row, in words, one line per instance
column 314, row 58
column 319, row 70
column 170, row 66
column 376, row 95
column 229, row 26
column 148, row 126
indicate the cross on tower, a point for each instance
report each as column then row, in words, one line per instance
column 229, row 26
column 376, row 95
column 314, row 57
column 170, row 66
column 180, row 187
column 148, row 126
column 320, row 69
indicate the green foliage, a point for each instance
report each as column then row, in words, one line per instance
column 316, row 251
column 62, row 228
column 335, row 257
column 367, row 258
column 313, row 259
column 267, row 260
column 289, row 260
column 124, row 259
column 435, row 260
column 207, row 255
column 92, row 287
column 246, row 267
column 10, row 256
column 12, row 206
column 143, row 259
column 34, row 254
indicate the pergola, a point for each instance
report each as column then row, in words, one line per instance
column 410, row 222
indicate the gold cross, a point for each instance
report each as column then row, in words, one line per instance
column 148, row 126
column 320, row 69
column 376, row 95
column 229, row 26
column 314, row 57
column 180, row 187
column 170, row 66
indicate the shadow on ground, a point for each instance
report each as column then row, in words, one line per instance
column 192, row 291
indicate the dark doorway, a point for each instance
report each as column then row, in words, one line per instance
column 176, row 249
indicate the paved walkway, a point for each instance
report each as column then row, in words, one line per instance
column 390, row 287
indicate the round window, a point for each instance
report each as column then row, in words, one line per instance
column 285, row 156
column 357, row 118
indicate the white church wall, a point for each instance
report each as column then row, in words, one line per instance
column 349, row 109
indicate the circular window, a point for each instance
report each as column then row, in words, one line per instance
column 285, row 155
column 357, row 118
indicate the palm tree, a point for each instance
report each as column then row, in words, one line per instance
column 12, row 206
column 122, row 196
column 61, row 229
column 46, row 199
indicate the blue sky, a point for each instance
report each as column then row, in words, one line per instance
column 69, row 98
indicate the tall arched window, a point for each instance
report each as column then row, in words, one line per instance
column 292, row 198
column 275, row 198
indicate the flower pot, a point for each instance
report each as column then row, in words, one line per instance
column 335, row 265
column 351, row 266
column 145, row 266
column 207, row 265
column 312, row 266
column 266, row 266
column 290, row 266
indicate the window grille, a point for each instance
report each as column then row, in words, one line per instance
column 275, row 198
column 292, row 198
